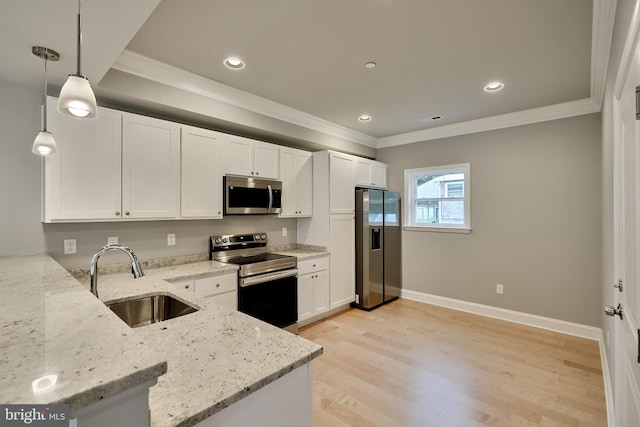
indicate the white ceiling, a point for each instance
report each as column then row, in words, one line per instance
column 433, row 57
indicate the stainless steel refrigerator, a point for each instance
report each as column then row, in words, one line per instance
column 378, row 248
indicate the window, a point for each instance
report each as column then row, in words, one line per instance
column 437, row 198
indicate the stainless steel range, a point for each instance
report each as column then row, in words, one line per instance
column 267, row 282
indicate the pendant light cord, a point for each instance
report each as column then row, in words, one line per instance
column 79, row 41
column 44, row 98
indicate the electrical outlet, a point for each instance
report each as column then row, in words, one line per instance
column 171, row 239
column 499, row 289
column 284, row 231
column 112, row 240
column 69, row 246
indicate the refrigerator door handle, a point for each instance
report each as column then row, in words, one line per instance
column 376, row 241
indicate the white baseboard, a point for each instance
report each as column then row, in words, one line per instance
column 564, row 327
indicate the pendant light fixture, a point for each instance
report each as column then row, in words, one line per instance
column 44, row 143
column 76, row 97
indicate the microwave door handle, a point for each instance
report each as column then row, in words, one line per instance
column 270, row 198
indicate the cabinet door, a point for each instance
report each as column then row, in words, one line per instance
column 238, row 156
column 150, row 167
column 342, row 259
column 288, row 172
column 305, row 296
column 379, row 174
column 320, row 292
column 265, row 160
column 202, row 154
column 228, row 299
column 363, row 173
column 304, row 167
column 83, row 180
column 341, row 183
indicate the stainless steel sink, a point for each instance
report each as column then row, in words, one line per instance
column 143, row 311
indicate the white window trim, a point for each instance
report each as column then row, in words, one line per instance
column 441, row 228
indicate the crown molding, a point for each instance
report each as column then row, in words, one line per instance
column 519, row 118
column 150, row 69
column 604, row 14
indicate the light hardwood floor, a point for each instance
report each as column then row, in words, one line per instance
column 414, row 364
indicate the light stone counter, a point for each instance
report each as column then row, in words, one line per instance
column 216, row 356
column 50, row 325
column 302, row 254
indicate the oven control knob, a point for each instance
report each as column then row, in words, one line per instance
column 263, row 237
column 225, row 240
column 256, row 237
column 218, row 241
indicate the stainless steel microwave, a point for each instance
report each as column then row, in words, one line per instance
column 251, row 196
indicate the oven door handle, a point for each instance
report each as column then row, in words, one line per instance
column 262, row 278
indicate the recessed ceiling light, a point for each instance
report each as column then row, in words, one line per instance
column 370, row 65
column 234, row 63
column 493, row 87
column 364, row 118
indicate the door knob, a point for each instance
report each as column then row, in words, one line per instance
column 610, row 310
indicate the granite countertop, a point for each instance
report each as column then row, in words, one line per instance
column 50, row 325
column 302, row 254
column 216, row 356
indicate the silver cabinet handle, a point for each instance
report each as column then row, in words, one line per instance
column 126, row 213
column 186, row 286
column 117, row 213
column 217, row 285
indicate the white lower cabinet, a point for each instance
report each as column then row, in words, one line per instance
column 313, row 288
column 222, row 289
column 342, row 249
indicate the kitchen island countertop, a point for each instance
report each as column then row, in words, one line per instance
column 216, row 356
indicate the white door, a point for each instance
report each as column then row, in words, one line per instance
column 627, row 225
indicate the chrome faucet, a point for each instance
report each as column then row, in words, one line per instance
column 93, row 267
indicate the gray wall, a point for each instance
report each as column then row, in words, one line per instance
column 20, row 184
column 535, row 217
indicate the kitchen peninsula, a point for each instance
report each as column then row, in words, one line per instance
column 205, row 363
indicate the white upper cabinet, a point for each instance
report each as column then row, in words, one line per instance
column 82, row 182
column 247, row 157
column 342, row 180
column 370, row 173
column 296, row 174
column 150, row 167
column 117, row 166
column 202, row 157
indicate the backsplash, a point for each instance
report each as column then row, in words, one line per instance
column 82, row 274
column 148, row 239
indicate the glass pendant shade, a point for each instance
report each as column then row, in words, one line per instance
column 44, row 143
column 77, row 98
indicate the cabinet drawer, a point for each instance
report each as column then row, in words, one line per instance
column 215, row 285
column 311, row 265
